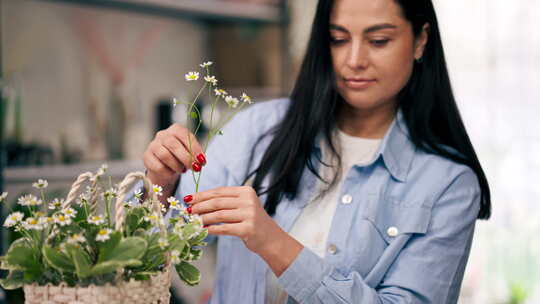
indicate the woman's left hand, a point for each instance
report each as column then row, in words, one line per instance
column 241, row 214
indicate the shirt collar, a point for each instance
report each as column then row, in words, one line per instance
column 396, row 149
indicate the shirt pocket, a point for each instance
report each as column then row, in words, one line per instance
column 394, row 218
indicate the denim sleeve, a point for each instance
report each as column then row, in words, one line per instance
column 428, row 269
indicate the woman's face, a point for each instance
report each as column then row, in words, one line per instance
column 373, row 50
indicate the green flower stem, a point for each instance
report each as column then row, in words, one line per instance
column 42, row 195
column 108, row 210
column 192, row 105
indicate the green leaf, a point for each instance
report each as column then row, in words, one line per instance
column 133, row 220
column 199, row 238
column 111, row 266
column 129, row 248
column 80, row 259
column 57, row 259
column 14, row 280
column 106, row 249
column 188, row 273
column 195, row 254
column 194, row 115
column 144, row 275
column 21, row 256
column 176, row 243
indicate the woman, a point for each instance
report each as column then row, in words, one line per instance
column 365, row 187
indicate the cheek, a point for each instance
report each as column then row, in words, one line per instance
column 395, row 69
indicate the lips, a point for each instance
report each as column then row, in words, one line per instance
column 359, row 83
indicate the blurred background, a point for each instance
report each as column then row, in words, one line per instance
column 87, row 82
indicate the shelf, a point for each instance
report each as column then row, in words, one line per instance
column 210, row 10
column 67, row 173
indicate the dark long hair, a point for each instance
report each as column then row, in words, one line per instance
column 427, row 103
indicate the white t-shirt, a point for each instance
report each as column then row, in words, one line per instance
column 313, row 224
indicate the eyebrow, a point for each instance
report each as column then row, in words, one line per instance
column 370, row 29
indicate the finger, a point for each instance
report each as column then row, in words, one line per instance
column 234, row 229
column 223, row 216
column 168, row 159
column 178, row 150
column 220, row 203
column 152, row 163
column 213, row 194
column 189, row 141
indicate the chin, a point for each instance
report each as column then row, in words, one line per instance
column 362, row 101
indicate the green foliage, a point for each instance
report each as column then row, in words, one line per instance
column 58, row 259
column 50, row 250
column 188, row 273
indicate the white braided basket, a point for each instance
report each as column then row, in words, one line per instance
column 152, row 291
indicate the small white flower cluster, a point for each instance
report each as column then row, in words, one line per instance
column 40, row 184
column 231, row 101
column 158, row 190
column 103, row 234
column 3, row 196
column 29, row 200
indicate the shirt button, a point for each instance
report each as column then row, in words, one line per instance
column 346, row 199
column 392, row 231
column 332, row 249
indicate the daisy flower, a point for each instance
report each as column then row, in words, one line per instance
column 69, row 212
column 3, row 196
column 245, row 98
column 231, row 101
column 13, row 219
column 56, row 204
column 211, row 79
column 61, row 219
column 175, row 257
column 220, row 92
column 40, row 184
column 29, row 200
column 138, row 194
column 163, row 243
column 157, row 190
column 46, row 220
column 191, row 76
column 204, row 65
column 76, row 238
column 111, row 193
column 96, row 219
column 174, row 203
column 32, row 223
column 103, row 235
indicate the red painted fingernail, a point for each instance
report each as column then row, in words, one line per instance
column 201, row 159
column 196, row 167
column 184, row 170
column 205, row 226
column 189, row 210
column 188, row 198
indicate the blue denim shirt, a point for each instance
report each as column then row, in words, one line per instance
column 404, row 238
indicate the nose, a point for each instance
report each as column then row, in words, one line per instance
column 358, row 55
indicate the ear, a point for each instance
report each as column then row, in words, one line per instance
column 421, row 41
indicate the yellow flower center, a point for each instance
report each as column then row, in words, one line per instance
column 102, row 232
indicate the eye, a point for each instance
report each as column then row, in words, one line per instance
column 379, row 42
column 337, row 41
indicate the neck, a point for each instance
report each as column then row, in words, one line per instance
column 370, row 123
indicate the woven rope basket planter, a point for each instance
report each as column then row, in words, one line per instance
column 152, row 291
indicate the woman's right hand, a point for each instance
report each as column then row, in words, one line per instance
column 167, row 156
